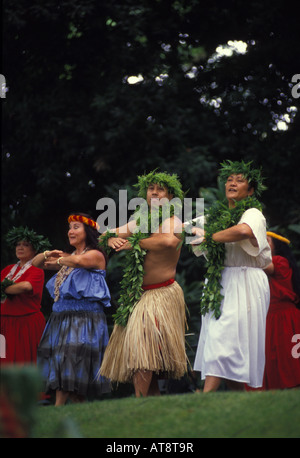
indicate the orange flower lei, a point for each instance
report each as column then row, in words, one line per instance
column 84, row 220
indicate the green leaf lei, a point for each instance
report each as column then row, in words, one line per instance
column 131, row 284
column 103, row 240
column 132, row 281
column 133, row 273
column 4, row 284
column 219, row 218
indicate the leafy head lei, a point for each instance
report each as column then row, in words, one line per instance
column 253, row 176
column 171, row 182
column 18, row 234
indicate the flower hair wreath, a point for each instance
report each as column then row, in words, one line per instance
column 84, row 220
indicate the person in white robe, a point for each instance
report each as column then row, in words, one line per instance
column 232, row 347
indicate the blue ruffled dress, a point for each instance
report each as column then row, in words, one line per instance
column 76, row 335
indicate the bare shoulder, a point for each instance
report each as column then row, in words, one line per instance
column 96, row 257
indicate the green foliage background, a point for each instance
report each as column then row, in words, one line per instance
column 75, row 130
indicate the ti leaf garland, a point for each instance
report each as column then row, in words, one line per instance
column 219, row 218
column 103, row 240
column 4, row 284
column 131, row 284
column 133, row 273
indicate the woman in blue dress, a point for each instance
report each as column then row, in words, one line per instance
column 76, row 335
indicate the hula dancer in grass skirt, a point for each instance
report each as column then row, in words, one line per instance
column 149, row 333
column 76, row 334
column 236, row 294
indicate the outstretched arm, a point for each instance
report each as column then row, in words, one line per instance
column 92, row 259
column 156, row 242
column 235, row 234
column 40, row 259
column 168, row 237
column 123, row 233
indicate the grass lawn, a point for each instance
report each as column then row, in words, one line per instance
column 225, row 414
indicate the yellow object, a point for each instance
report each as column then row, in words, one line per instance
column 279, row 237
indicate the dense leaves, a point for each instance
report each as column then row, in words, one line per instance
column 4, row 284
column 76, row 128
column 18, row 234
column 131, row 284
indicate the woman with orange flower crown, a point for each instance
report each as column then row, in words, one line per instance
column 76, row 335
column 282, row 369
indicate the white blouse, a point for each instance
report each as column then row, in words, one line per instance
column 244, row 253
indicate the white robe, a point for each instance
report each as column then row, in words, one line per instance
column 233, row 347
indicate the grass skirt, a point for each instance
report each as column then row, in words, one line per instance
column 153, row 339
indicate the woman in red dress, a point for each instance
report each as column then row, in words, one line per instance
column 282, row 369
column 22, row 322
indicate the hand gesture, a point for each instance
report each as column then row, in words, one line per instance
column 116, row 243
column 52, row 257
column 200, row 234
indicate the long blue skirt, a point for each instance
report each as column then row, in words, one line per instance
column 71, row 351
